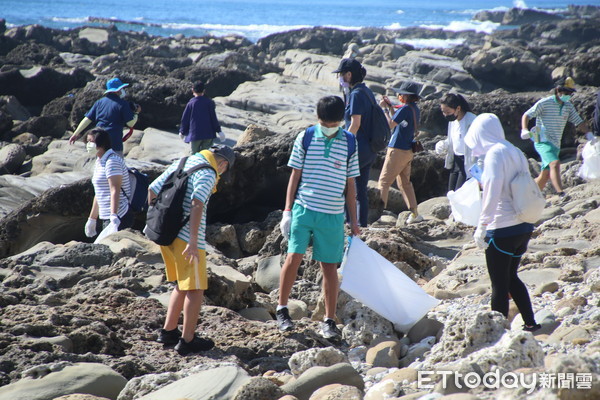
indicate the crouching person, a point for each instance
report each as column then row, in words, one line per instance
column 324, row 162
column 185, row 257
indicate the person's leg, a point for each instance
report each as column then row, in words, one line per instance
column 362, row 195
column 542, row 178
column 287, row 276
column 404, row 183
column 498, row 266
column 518, row 290
column 330, row 288
column 191, row 313
column 206, row 144
column 389, row 172
column 452, row 179
column 195, row 144
column 461, row 175
column 174, row 309
column 555, row 176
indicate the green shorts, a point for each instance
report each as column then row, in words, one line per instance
column 326, row 231
column 199, row 145
column 548, row 152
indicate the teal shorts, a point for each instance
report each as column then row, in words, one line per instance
column 548, row 152
column 325, row 230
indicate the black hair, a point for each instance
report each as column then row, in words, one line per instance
column 411, row 98
column 453, row 100
column 331, row 109
column 198, row 87
column 358, row 76
column 101, row 138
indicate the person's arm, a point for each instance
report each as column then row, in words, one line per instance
column 354, row 123
column 190, row 253
column 85, row 122
column 151, row 196
column 213, row 116
column 133, row 121
column 95, row 210
column 525, row 122
column 114, row 184
column 292, row 187
column 351, row 204
column 184, row 127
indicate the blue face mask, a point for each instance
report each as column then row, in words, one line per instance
column 565, row 98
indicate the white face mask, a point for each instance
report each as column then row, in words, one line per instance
column 123, row 93
column 90, row 147
column 329, row 131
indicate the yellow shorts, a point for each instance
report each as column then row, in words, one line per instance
column 188, row 276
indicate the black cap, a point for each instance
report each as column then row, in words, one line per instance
column 349, row 64
column 409, row 88
column 566, row 84
column 224, row 151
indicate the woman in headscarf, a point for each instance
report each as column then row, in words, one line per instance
column 457, row 112
column 500, row 232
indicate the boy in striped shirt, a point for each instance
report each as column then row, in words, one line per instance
column 321, row 184
column 552, row 114
column 185, row 258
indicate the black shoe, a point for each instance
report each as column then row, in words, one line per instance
column 196, row 345
column 329, row 329
column 284, row 322
column 532, row 328
column 169, row 338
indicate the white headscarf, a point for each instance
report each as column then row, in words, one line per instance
column 485, row 131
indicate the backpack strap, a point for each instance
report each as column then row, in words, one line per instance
column 371, row 99
column 351, row 139
column 415, row 120
column 310, row 132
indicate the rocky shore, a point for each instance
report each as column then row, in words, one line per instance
column 78, row 320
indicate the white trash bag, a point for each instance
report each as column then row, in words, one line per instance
column 109, row 230
column 590, row 169
column 379, row 285
column 466, row 203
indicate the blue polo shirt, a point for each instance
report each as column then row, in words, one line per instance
column 404, row 132
column 111, row 113
column 358, row 103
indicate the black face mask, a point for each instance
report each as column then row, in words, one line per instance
column 450, row 117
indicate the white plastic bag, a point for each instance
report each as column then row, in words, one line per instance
column 379, row 285
column 590, row 169
column 109, row 230
column 527, row 198
column 466, row 203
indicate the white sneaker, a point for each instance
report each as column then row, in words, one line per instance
column 412, row 219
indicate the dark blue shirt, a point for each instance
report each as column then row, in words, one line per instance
column 199, row 120
column 359, row 103
column 111, row 113
column 404, row 133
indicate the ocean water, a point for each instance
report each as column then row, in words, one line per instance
column 257, row 18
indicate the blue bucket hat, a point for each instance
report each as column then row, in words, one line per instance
column 114, row 85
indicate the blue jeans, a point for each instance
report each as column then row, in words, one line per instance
column 362, row 197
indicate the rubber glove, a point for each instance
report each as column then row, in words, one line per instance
column 181, row 136
column 221, row 136
column 90, row 227
column 525, row 134
column 115, row 221
column 286, row 224
column 441, row 147
column 479, row 237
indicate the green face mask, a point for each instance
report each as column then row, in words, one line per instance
column 565, row 98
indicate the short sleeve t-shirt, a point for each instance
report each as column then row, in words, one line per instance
column 325, row 170
column 360, row 104
column 404, row 131
column 111, row 113
column 552, row 117
column 110, row 164
column 200, row 186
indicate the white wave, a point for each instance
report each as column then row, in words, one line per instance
column 71, row 20
column 457, row 26
column 473, row 11
column 395, row 25
column 519, row 4
column 432, row 43
column 399, row 11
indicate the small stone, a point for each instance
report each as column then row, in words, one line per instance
column 548, row 287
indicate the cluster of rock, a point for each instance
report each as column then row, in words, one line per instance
column 82, row 318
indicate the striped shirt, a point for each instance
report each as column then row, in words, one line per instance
column 110, row 164
column 200, row 186
column 325, row 169
column 552, row 117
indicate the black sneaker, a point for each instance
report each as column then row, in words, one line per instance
column 532, row 328
column 284, row 322
column 329, row 329
column 196, row 345
column 169, row 338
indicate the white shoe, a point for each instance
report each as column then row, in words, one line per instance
column 412, row 219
